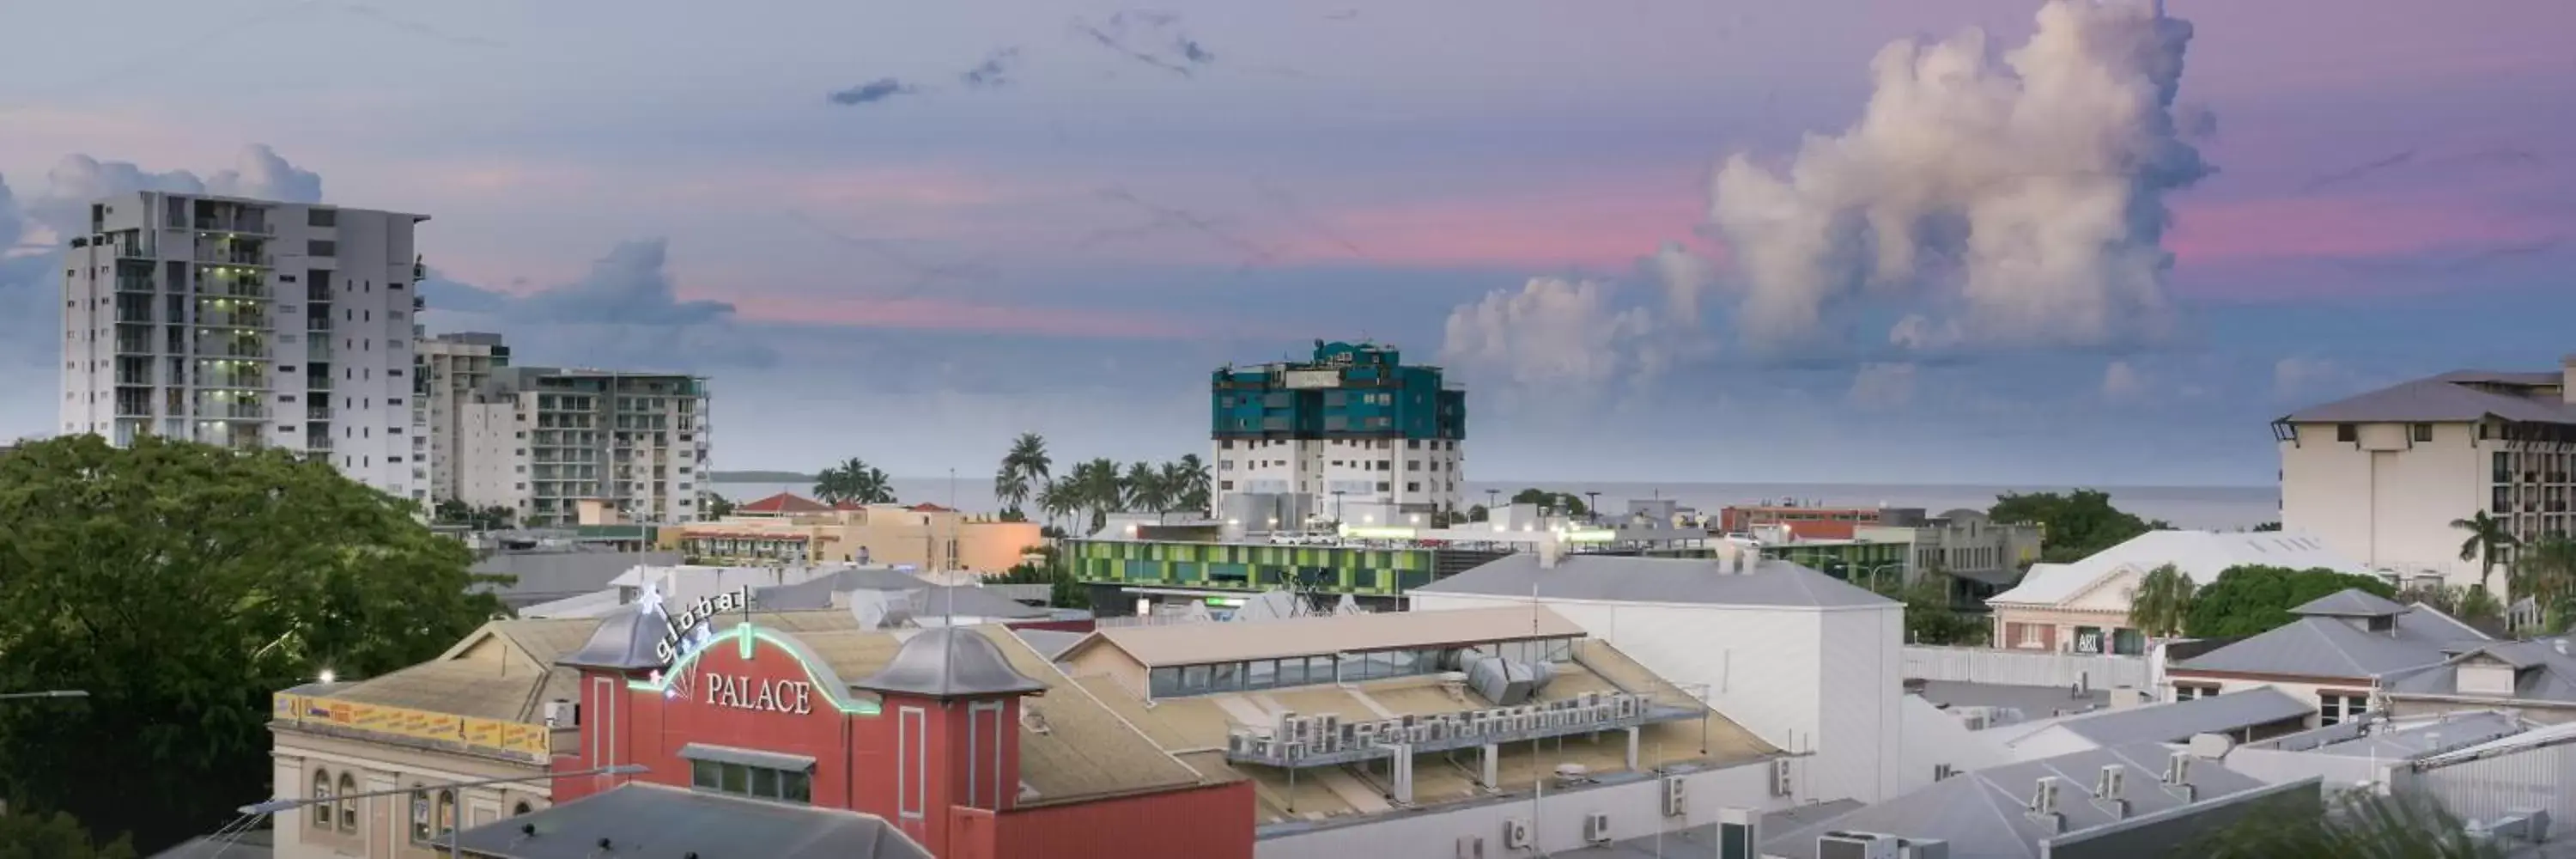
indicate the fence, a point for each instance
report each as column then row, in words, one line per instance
column 2023, row 668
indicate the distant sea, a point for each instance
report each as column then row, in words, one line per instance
column 2211, row 507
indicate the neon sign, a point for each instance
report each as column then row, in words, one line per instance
column 793, row 697
column 688, row 630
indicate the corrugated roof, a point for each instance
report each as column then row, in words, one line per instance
column 2334, row 647
column 545, row 576
column 2402, row 741
column 2350, row 602
column 2180, row 720
column 1193, row 643
column 503, row 671
column 2450, row 397
column 2202, row 555
column 946, row 663
column 674, row 822
column 2542, row 673
column 1620, row 578
column 1982, row 813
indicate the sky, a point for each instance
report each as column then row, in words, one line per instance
column 1856, row 241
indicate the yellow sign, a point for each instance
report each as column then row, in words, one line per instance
column 515, row 738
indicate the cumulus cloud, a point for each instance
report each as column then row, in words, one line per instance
column 2030, row 191
column 2121, row 383
column 626, row 310
column 1552, row 333
column 258, row 172
column 1881, row 387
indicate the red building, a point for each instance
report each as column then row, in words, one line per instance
column 1815, row 523
column 795, row 734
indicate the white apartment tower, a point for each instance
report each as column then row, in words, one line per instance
column 470, row 431
column 540, row 440
column 2381, row 476
column 247, row 323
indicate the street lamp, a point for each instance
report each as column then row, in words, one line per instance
column 49, row 693
column 454, row 842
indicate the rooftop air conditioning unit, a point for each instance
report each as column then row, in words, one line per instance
column 1596, row 828
column 1676, row 796
column 1857, row 845
column 1516, row 834
column 1780, row 785
column 1471, row 847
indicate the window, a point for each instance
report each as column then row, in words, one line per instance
column 2347, row 432
column 2336, row 707
column 2189, row 691
column 324, row 811
column 419, row 815
column 348, row 807
column 321, row 248
column 321, row 217
column 2423, row 432
column 785, row 785
column 446, row 813
column 520, row 810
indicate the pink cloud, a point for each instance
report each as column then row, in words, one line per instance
column 1588, row 225
column 940, row 315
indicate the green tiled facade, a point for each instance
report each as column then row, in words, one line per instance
column 1250, row 567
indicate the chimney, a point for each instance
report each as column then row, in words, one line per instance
column 1549, row 550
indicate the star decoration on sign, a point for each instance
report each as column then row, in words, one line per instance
column 650, row 601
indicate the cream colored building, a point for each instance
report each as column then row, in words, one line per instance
column 477, row 712
column 2380, row 476
column 788, row 528
column 2083, row 607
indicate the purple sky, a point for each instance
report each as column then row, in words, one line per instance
column 1067, row 244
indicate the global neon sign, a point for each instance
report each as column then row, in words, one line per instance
column 688, row 630
column 742, row 692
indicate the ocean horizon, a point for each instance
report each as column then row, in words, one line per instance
column 2205, row 507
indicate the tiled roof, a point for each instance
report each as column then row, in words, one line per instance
column 504, row 671
column 1617, row 578
column 2202, row 555
column 2450, row 397
column 784, row 502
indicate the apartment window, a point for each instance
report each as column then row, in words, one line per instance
column 1381, row 486
column 321, row 217
column 2335, row 707
column 1413, row 487
column 2347, row 432
column 348, row 807
column 324, row 813
column 1226, row 485
column 782, row 785
column 2189, row 691
column 2423, row 432
column 321, row 248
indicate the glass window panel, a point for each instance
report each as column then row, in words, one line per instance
column 703, row 774
column 1323, row 669
column 764, row 782
column 1166, row 682
column 1228, row 677
column 1292, row 672
column 737, row 779
column 797, row 787
column 1194, row 678
column 1260, row 674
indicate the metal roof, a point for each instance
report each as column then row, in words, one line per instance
column 2180, row 720
column 1196, row 643
column 2199, row 554
column 2401, row 741
column 1983, row 813
column 2450, row 397
column 2350, row 602
column 2334, row 647
column 2542, row 673
column 1623, row 578
column 1700, row 842
column 647, row 819
column 950, row 662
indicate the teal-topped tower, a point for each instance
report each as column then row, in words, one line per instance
column 1354, row 433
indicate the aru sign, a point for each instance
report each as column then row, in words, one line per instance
column 689, row 628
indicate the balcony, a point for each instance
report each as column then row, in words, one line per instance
column 141, row 378
column 317, row 383
column 234, row 256
column 135, row 250
column 229, row 348
column 135, row 284
column 235, row 318
column 133, row 314
column 251, row 381
column 251, row 225
column 227, row 409
column 233, row 287
column 317, row 412
column 133, row 408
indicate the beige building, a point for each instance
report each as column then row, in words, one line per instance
column 477, row 712
column 540, row 441
column 1964, row 543
column 2083, row 607
column 789, row 528
column 2380, row 476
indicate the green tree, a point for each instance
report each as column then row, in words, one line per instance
column 56, row 836
column 717, row 506
column 1063, row 590
column 1195, row 482
column 2488, row 538
column 1478, row 513
column 2356, row 825
column 1930, row 615
column 180, row 584
column 2073, row 525
column 450, row 511
column 1143, row 489
column 2468, row 604
column 2162, row 601
column 2249, row 599
column 1024, row 469
column 1563, row 502
column 854, row 482
column 1096, row 488
column 1059, row 499
column 2546, row 573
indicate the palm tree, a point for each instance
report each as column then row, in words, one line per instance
column 1058, row 500
column 1195, row 480
column 2546, row 573
column 1023, row 469
column 855, row 482
column 1095, row 487
column 1142, row 488
column 2160, row 603
column 2487, row 536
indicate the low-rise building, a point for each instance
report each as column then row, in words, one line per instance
column 1987, row 556
column 2341, row 649
column 786, row 528
column 1815, row 521
column 2083, row 607
column 2534, row 678
column 2244, row 715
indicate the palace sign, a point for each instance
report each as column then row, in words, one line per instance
column 793, row 697
column 689, row 627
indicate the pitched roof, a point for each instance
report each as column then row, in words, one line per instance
column 2333, row 647
column 2541, row 672
column 677, row 822
column 1981, row 813
column 2180, row 720
column 2199, row 554
column 949, row 662
column 2350, row 602
column 1196, row 643
column 503, row 671
column 784, row 502
column 2402, row 741
column 1619, row 578
column 2460, row 395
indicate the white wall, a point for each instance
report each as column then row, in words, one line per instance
column 2386, row 501
column 1801, row 679
column 1431, row 474
column 1930, row 737
column 1635, row 809
column 2024, row 668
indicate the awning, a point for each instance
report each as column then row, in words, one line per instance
column 747, row 757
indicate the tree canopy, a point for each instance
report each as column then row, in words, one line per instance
column 853, row 481
column 1565, row 502
column 179, row 585
column 55, row 836
column 2250, row 599
column 2072, row 524
column 1931, row 617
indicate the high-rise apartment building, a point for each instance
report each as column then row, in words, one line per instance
column 1353, row 426
column 2380, row 476
column 540, row 440
column 246, row 323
